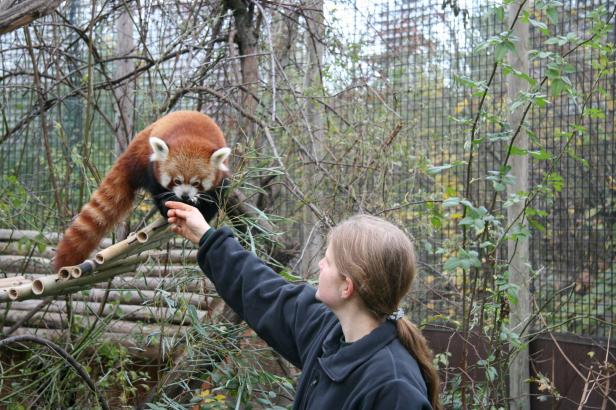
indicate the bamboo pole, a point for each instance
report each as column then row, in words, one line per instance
column 116, row 250
column 20, row 292
column 46, row 282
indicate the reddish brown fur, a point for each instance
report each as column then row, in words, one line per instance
column 191, row 135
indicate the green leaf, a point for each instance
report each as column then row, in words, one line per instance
column 469, row 82
column 555, row 181
column 541, row 155
column 499, row 12
column 464, row 260
column 557, row 86
column 499, row 136
column 536, row 225
column 540, row 25
column 552, row 14
column 520, row 152
column 594, row 113
column 502, row 49
column 436, row 221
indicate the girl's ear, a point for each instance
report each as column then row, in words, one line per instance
column 348, row 288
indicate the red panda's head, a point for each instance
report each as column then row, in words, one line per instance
column 188, row 169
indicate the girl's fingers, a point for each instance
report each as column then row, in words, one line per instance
column 177, row 205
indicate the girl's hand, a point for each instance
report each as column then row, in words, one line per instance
column 186, row 221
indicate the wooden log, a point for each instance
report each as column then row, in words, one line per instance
column 58, row 322
column 12, row 235
column 13, row 281
column 23, row 264
column 16, row 248
column 183, row 283
column 55, row 314
column 140, row 297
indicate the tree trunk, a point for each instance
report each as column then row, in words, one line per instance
column 14, row 16
column 123, row 94
column 312, row 235
column 247, row 41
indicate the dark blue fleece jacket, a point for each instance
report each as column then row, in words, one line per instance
column 375, row 372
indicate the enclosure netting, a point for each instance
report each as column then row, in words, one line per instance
column 394, row 65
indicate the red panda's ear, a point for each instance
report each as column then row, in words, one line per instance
column 160, row 150
column 218, row 158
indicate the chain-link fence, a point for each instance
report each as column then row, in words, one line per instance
column 397, row 106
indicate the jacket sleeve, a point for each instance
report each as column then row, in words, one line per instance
column 287, row 316
column 397, row 394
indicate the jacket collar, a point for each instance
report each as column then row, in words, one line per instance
column 339, row 361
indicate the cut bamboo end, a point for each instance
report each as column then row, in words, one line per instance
column 20, row 292
column 84, row 267
column 64, row 272
column 143, row 235
column 46, row 283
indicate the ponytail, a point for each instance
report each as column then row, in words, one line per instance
column 417, row 346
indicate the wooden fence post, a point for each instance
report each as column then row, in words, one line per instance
column 518, row 251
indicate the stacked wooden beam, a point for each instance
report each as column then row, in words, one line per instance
column 135, row 287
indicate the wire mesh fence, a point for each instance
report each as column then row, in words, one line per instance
column 395, row 109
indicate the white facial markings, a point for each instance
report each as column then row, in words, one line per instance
column 207, row 184
column 165, row 179
column 185, row 190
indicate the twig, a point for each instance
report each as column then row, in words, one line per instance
column 65, row 355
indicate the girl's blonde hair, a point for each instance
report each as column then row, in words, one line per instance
column 380, row 260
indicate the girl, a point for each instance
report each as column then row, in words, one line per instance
column 354, row 354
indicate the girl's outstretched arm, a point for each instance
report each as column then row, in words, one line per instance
column 287, row 316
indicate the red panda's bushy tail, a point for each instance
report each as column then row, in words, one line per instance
column 108, row 205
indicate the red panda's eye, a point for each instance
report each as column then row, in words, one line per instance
column 195, row 184
column 177, row 181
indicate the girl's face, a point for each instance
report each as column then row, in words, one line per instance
column 331, row 283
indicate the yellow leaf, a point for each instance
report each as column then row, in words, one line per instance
column 461, row 106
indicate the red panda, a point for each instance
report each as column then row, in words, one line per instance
column 182, row 157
